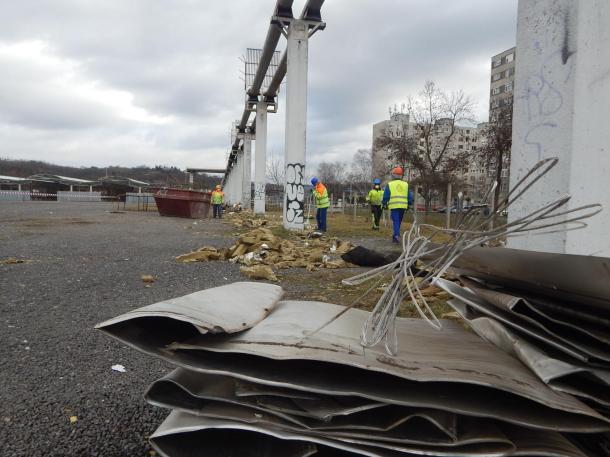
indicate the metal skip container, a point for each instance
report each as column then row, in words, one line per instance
column 191, row 204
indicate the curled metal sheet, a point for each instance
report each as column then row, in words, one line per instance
column 195, row 392
column 561, row 374
column 249, row 389
column 536, row 311
column 579, row 278
column 452, row 355
column 216, row 310
column 484, row 381
column 413, row 434
column 525, row 326
column 182, row 423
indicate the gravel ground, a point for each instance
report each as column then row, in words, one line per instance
column 85, row 266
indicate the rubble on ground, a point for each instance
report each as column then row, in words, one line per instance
column 261, row 247
column 246, row 219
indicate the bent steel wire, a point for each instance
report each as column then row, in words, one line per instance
column 472, row 228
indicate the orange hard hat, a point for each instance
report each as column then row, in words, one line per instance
column 217, row 186
column 398, row 171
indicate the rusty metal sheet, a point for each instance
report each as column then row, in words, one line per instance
column 217, row 310
column 561, row 374
column 185, row 423
column 584, row 353
column 425, row 355
column 579, row 278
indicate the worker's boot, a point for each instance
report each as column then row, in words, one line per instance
column 395, row 239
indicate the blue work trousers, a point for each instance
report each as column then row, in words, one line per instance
column 321, row 219
column 217, row 210
column 397, row 215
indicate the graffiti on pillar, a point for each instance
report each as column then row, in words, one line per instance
column 259, row 191
column 545, row 90
column 295, row 193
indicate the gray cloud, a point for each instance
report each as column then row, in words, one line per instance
column 147, row 82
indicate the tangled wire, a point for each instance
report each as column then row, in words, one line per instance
column 473, row 228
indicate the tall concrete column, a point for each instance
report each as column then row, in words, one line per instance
column 562, row 95
column 247, row 173
column 238, row 174
column 296, row 118
column 260, row 158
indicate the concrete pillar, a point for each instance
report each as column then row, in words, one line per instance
column 247, row 173
column 90, row 188
column 238, row 174
column 562, row 94
column 71, row 187
column 296, row 117
column 260, row 159
column 19, row 187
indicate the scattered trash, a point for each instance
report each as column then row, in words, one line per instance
column 119, row 368
column 259, row 272
column 73, row 419
column 203, row 254
column 12, row 261
column 148, row 278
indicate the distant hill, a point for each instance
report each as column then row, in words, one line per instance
column 158, row 175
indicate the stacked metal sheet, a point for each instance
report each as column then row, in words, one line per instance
column 551, row 311
column 252, row 380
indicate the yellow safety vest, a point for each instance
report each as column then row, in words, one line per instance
column 399, row 194
column 375, row 197
column 217, row 197
column 321, row 195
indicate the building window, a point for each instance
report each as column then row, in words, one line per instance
column 495, row 91
column 496, row 76
column 496, row 63
column 508, row 87
column 510, row 57
column 460, row 147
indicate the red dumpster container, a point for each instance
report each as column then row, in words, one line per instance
column 184, row 203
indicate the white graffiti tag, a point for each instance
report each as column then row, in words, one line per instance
column 295, row 193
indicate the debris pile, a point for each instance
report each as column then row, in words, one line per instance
column 551, row 311
column 247, row 219
column 260, row 247
column 254, row 377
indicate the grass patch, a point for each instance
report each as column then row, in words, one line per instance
column 325, row 285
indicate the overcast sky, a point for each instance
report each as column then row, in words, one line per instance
column 118, row 82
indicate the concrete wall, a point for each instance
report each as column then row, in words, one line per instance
column 562, row 95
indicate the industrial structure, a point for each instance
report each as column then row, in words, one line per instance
column 261, row 100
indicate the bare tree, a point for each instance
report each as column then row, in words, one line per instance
column 276, row 170
column 332, row 172
column 361, row 170
column 495, row 153
column 429, row 145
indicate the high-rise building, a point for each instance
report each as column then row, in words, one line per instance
column 502, row 82
column 465, row 139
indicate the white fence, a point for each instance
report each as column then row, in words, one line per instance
column 67, row 196
column 15, row 195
